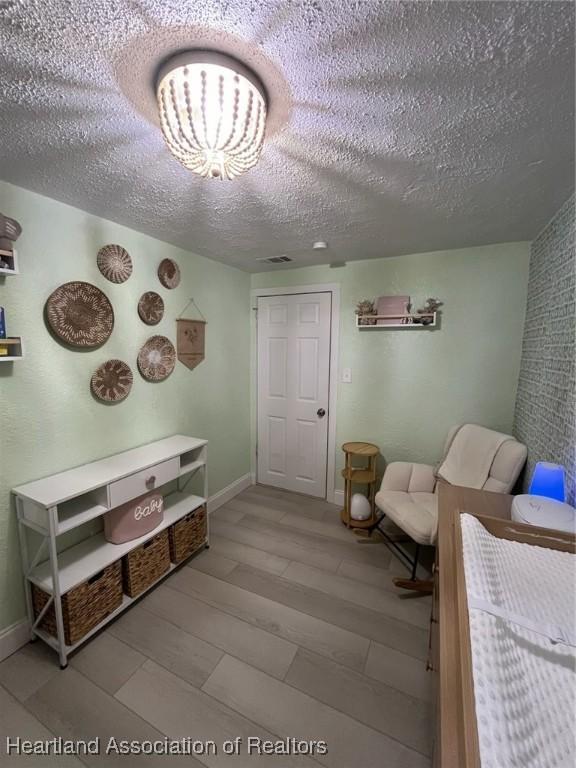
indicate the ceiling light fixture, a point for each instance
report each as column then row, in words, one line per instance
column 212, row 113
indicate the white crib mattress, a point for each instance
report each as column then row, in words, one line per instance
column 524, row 683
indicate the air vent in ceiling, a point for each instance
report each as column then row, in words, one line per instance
column 276, row 259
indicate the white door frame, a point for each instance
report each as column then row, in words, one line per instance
column 334, row 289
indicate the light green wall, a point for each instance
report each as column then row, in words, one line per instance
column 48, row 418
column 409, row 386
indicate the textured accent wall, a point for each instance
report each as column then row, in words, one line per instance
column 545, row 416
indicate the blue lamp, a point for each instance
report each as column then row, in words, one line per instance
column 548, row 481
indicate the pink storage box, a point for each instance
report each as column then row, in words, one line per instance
column 134, row 518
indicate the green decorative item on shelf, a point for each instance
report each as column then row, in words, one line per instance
column 364, row 309
column 430, row 307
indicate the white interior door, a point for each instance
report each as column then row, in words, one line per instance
column 293, row 391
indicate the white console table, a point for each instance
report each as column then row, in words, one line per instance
column 60, row 503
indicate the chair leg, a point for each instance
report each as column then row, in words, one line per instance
column 415, row 563
column 425, row 586
column 418, row 585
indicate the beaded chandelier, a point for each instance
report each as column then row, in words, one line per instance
column 212, row 113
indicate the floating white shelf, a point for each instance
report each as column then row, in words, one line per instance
column 405, row 322
column 15, row 347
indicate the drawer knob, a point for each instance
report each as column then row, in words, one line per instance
column 151, row 481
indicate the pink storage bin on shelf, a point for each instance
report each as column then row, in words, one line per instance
column 134, row 518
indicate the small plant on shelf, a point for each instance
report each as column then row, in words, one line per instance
column 424, row 315
column 364, row 309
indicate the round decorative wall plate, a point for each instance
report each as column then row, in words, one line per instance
column 157, row 358
column 151, row 308
column 80, row 314
column 112, row 381
column 169, row 273
column 115, row 263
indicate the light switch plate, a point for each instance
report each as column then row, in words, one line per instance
column 347, row 375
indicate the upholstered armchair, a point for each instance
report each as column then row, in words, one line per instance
column 473, row 456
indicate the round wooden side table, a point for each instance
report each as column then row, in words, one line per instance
column 365, row 475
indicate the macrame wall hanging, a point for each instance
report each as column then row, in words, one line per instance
column 190, row 335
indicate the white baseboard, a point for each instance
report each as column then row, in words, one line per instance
column 14, row 637
column 338, row 498
column 223, row 496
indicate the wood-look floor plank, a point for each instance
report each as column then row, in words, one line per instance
column 242, row 553
column 346, row 647
column 71, row 706
column 228, row 633
column 299, row 505
column 257, row 508
column 297, row 499
column 386, row 709
column 188, row 656
column 338, row 532
column 16, row 722
column 179, row 711
column 107, row 661
column 287, row 711
column 397, row 605
column 350, row 549
column 397, row 634
column 400, row 671
column 367, row 574
column 227, row 514
column 28, row 669
column 302, row 552
column 209, row 561
column 269, row 622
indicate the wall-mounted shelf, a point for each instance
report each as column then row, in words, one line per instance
column 15, row 347
column 405, row 321
column 11, row 258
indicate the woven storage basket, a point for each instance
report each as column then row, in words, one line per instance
column 187, row 535
column 84, row 606
column 144, row 565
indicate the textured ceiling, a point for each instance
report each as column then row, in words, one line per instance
column 395, row 127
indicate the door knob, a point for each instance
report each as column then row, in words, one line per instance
column 321, row 412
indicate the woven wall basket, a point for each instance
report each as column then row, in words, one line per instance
column 169, row 273
column 115, row 263
column 80, row 314
column 151, row 308
column 112, row 381
column 157, row 358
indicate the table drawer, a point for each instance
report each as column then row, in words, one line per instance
column 141, row 482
